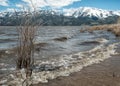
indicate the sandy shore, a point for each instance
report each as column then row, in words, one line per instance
column 106, row 73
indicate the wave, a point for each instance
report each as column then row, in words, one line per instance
column 65, row 64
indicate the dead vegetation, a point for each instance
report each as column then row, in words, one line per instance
column 25, row 51
column 114, row 28
column 26, row 42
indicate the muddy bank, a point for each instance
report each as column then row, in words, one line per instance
column 106, row 73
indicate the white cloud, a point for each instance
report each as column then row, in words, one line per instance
column 10, row 10
column 51, row 3
column 36, row 3
column 3, row 2
column 60, row 3
column 19, row 5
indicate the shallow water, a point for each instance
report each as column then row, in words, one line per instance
column 60, row 56
column 47, row 34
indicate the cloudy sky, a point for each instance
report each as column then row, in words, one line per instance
column 9, row 5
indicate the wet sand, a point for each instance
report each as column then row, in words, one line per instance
column 106, row 73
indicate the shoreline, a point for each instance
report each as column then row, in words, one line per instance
column 105, row 73
column 44, row 76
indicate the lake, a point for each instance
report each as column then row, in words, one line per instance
column 61, row 50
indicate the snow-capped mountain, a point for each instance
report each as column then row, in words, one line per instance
column 73, row 16
column 75, row 12
column 90, row 12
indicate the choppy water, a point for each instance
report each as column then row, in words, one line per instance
column 60, row 58
column 8, row 38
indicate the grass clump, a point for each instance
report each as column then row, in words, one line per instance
column 114, row 28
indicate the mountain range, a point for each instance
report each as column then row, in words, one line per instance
column 90, row 11
column 76, row 16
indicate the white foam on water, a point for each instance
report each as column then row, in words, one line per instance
column 8, row 69
column 68, row 64
column 102, row 40
column 3, row 64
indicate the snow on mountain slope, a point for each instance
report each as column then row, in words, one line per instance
column 89, row 11
column 2, row 14
column 75, row 12
column 117, row 13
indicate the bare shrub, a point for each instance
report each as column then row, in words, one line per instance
column 26, row 40
column 25, row 50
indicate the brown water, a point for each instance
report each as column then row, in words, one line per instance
column 59, row 55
